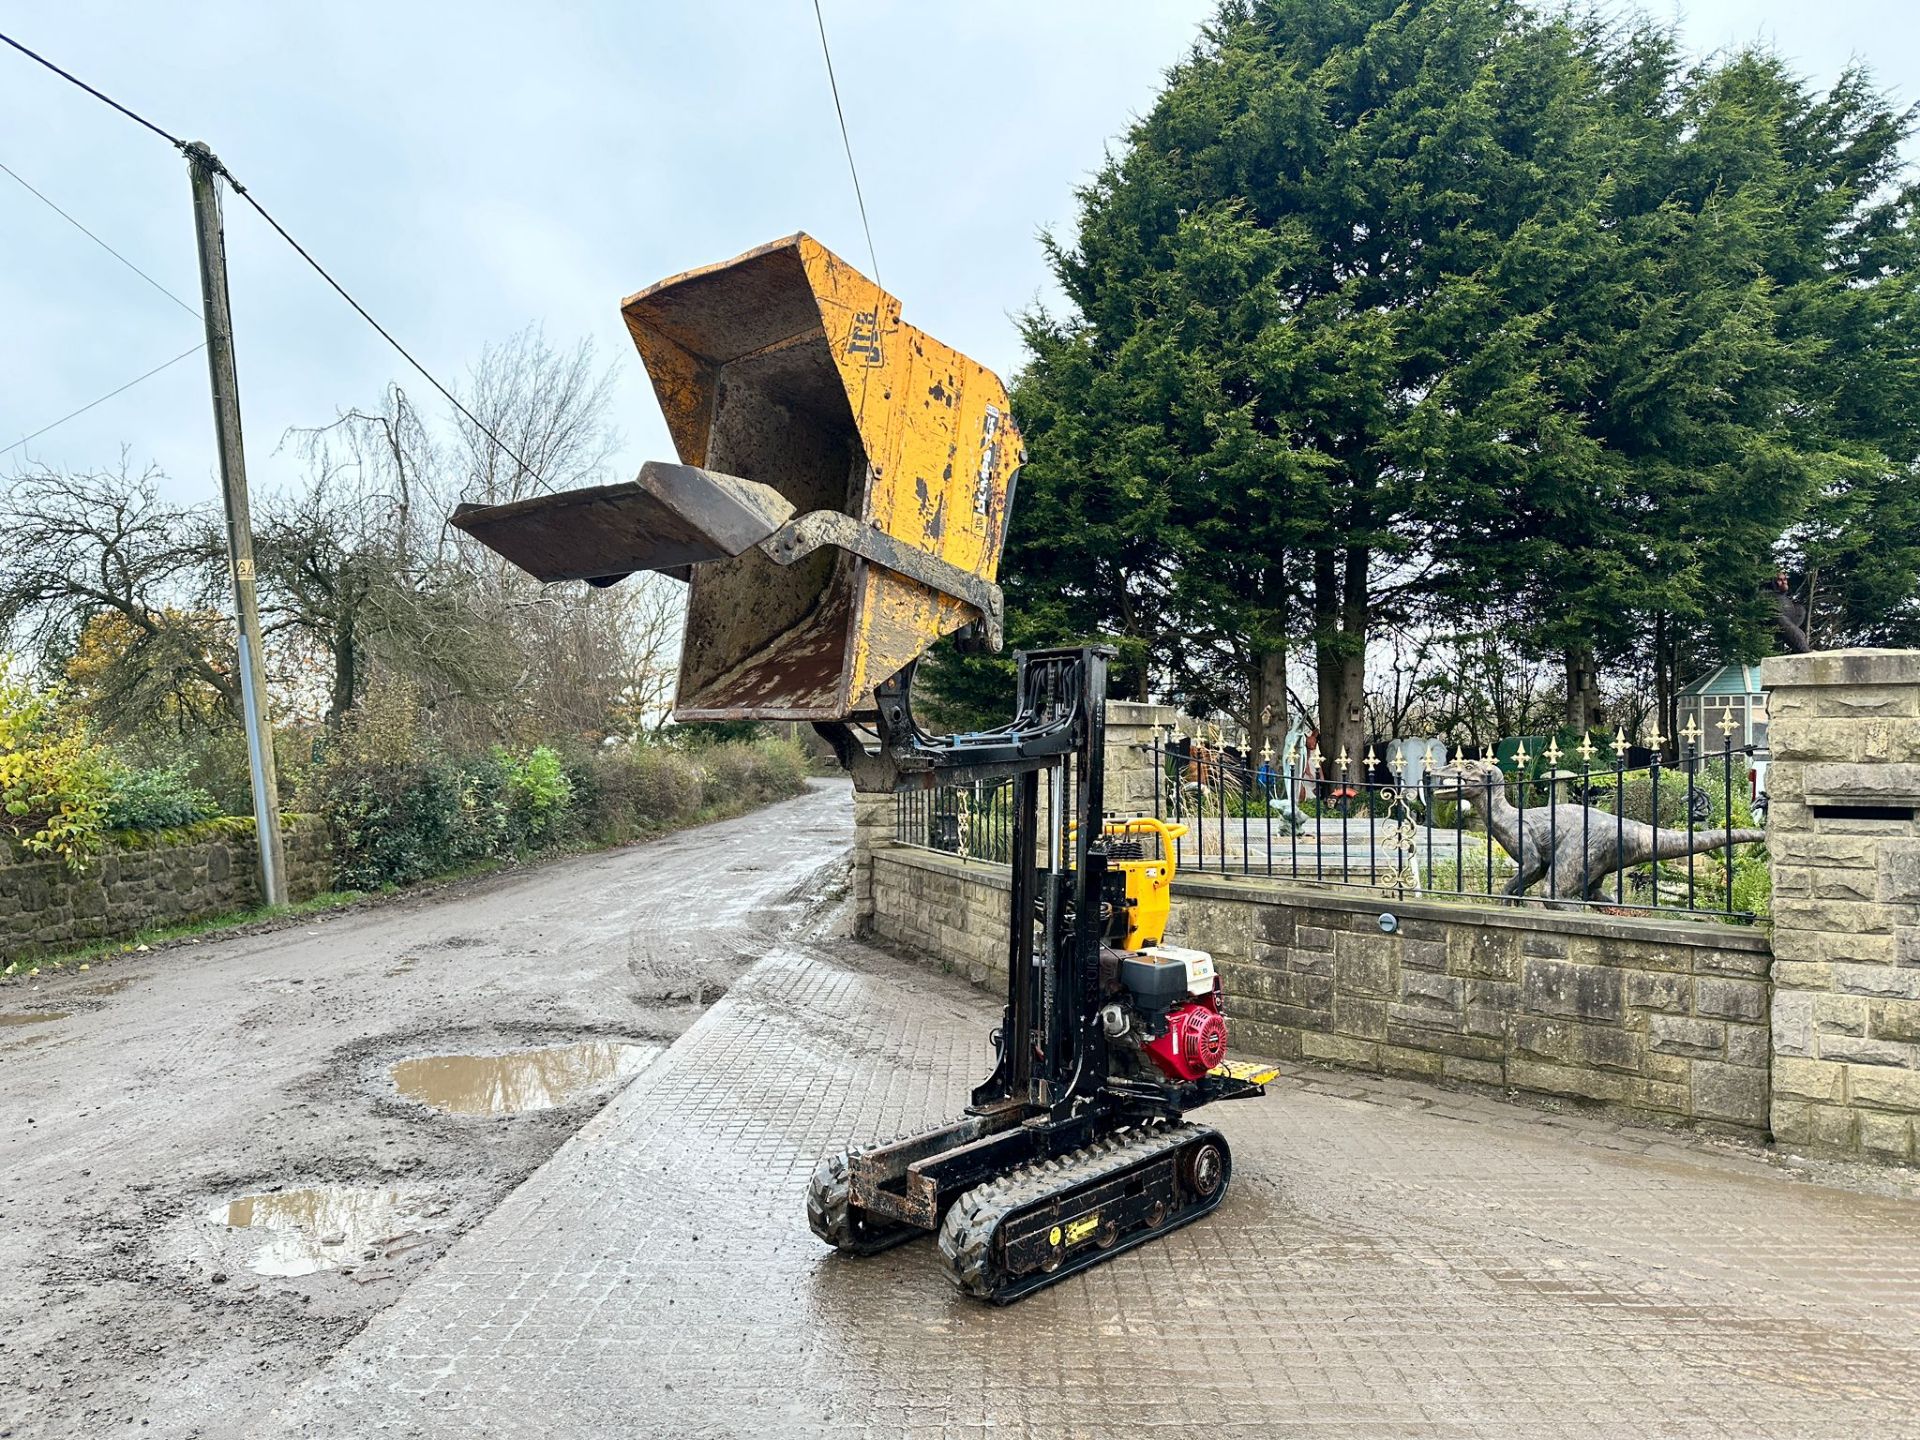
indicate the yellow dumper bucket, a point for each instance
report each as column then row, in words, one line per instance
column 842, row 498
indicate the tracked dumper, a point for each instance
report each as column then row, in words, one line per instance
column 840, row 504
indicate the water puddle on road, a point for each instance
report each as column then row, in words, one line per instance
column 323, row 1227
column 37, row 1019
column 113, row 987
column 520, row 1080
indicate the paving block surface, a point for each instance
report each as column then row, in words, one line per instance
column 1394, row 1260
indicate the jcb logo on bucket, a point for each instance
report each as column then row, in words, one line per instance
column 864, row 338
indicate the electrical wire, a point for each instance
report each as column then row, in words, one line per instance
column 98, row 241
column 361, row 310
column 201, row 155
column 852, row 169
column 104, row 398
column 173, row 140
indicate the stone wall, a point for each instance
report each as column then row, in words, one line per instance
column 1844, row 784
column 1666, row 1019
column 952, row 911
column 1663, row 1019
column 212, row 870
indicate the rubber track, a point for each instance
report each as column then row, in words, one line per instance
column 966, row 1235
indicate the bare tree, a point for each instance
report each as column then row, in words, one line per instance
column 362, row 568
column 549, row 407
column 320, row 562
column 95, row 546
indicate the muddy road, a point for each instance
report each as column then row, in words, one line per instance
column 221, row 1159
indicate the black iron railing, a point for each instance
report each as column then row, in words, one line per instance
column 973, row 821
column 1551, row 830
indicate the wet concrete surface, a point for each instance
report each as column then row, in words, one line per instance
column 1393, row 1260
column 185, row 1079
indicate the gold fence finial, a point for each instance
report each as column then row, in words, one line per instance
column 1619, row 746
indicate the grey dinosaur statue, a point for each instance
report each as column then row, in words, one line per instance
column 1575, row 848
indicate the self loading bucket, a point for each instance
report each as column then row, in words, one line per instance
column 842, row 498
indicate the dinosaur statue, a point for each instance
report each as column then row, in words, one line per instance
column 1576, row 848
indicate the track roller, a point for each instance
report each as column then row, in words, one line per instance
column 1044, row 1222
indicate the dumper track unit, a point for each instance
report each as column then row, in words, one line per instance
column 840, row 505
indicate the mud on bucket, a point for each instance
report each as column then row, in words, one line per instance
column 842, row 498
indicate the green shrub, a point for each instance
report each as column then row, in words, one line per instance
column 699, row 734
column 53, row 778
column 537, row 793
column 1633, row 796
column 393, row 824
column 398, row 810
column 767, row 770
column 155, row 799
column 1753, row 885
column 638, row 788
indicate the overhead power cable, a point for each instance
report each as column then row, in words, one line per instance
column 98, row 241
column 852, row 169
column 173, row 140
column 104, row 398
column 361, row 310
column 299, row 249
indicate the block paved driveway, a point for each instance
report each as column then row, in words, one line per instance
column 1392, row 1260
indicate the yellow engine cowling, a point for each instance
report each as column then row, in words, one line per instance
column 1149, row 880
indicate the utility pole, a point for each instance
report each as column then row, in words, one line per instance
column 206, row 170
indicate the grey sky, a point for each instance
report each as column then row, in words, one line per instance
column 469, row 169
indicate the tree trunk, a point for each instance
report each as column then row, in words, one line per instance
column 1663, row 686
column 1583, row 689
column 1267, row 707
column 1340, row 655
column 346, row 676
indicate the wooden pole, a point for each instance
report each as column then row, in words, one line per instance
column 206, row 170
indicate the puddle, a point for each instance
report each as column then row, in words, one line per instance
column 113, row 987
column 323, row 1227
column 520, row 1080
column 37, row 1019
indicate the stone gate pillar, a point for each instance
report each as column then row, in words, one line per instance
column 873, row 820
column 1130, row 781
column 1844, row 784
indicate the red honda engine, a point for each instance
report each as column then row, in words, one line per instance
column 1196, row 1038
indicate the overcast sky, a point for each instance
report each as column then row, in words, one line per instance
column 467, row 170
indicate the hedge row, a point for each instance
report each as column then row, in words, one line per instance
column 393, row 821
